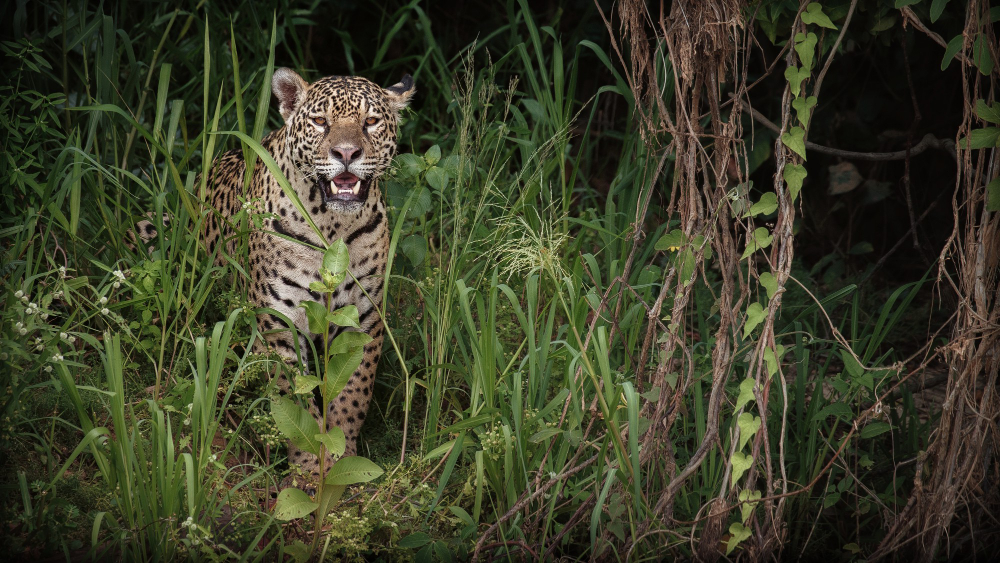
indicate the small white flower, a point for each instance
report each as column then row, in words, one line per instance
column 39, row 347
column 32, row 305
column 63, row 336
column 62, row 271
column 29, row 311
column 105, row 311
column 18, row 294
column 116, row 285
column 213, row 458
column 57, row 358
column 18, row 325
column 47, row 369
column 45, row 316
column 38, row 340
column 24, row 299
column 119, row 274
column 22, row 331
column 71, row 339
column 104, row 300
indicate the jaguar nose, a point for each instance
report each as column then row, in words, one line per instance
column 346, row 153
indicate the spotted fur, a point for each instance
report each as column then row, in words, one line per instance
column 336, row 129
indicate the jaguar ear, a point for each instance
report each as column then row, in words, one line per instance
column 401, row 92
column 290, row 90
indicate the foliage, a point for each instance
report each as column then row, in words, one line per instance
column 618, row 317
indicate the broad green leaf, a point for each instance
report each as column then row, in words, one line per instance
column 433, row 155
column 985, row 138
column 755, row 314
column 344, row 316
column 316, row 315
column 772, row 359
column 737, row 533
column 954, row 46
column 749, row 425
column 296, row 424
column 805, row 48
column 299, row 551
column 981, row 55
column 803, row 108
column 770, row 284
column 414, row 540
column 334, row 441
column 760, row 239
column 883, row 23
column 993, row 195
column 794, row 139
column 862, row 248
column 347, row 341
column 305, row 383
column 339, row 370
column 795, row 77
column 351, row 470
column 671, row 241
column 794, row 174
column 746, row 392
column 937, row 8
column 840, row 410
column 767, row 204
column 814, row 15
column 414, row 247
column 409, row 165
column 831, row 499
column 438, row 178
column 748, row 501
column 293, row 503
column 336, row 258
column 686, row 264
column 851, row 365
column 741, row 463
column 874, row 429
column 989, row 113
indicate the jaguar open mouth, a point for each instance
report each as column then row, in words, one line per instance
column 346, row 188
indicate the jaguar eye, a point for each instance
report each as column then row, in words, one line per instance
column 319, row 120
column 371, row 121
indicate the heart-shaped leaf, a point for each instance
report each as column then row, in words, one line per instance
column 749, row 425
column 805, row 48
column 771, row 358
column 803, row 108
column 770, row 283
column 814, row 15
column 748, row 500
column 767, row 204
column 761, row 238
column 795, row 139
column 740, row 465
column 671, row 241
column 737, row 533
column 746, row 392
column 795, row 77
column 755, row 314
column 793, row 175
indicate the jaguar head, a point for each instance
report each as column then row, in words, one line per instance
column 340, row 132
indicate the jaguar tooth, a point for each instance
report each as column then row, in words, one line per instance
column 357, row 188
